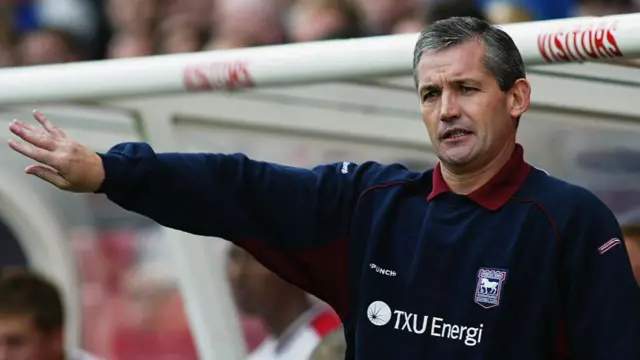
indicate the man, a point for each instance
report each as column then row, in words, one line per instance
column 32, row 320
column 630, row 223
column 294, row 323
column 483, row 257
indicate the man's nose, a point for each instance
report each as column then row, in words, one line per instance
column 449, row 106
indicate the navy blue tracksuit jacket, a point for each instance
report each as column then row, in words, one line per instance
column 528, row 267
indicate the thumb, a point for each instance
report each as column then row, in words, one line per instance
column 47, row 174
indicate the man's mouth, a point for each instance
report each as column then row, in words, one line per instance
column 455, row 133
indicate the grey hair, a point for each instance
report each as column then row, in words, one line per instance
column 502, row 58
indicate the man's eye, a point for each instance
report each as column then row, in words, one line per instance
column 467, row 89
column 429, row 95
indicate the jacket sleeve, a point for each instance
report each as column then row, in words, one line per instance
column 602, row 298
column 295, row 221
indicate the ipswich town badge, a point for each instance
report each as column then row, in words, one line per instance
column 489, row 287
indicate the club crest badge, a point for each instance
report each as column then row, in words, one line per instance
column 489, row 287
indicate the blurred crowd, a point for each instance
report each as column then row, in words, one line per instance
column 58, row 31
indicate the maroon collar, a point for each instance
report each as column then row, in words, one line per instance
column 495, row 193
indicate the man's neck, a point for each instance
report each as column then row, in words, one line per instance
column 465, row 182
column 279, row 321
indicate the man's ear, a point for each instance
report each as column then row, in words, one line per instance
column 519, row 98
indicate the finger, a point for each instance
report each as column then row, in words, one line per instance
column 46, row 124
column 47, row 174
column 23, row 124
column 40, row 155
column 37, row 137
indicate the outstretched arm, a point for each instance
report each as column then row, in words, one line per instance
column 232, row 196
column 295, row 221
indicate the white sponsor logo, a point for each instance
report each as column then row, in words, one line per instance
column 380, row 314
column 382, row 271
column 345, row 167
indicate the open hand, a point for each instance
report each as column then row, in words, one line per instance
column 65, row 163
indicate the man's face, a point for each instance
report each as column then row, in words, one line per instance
column 21, row 340
column 468, row 117
column 255, row 287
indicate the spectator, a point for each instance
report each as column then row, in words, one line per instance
column 32, row 319
column 295, row 323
